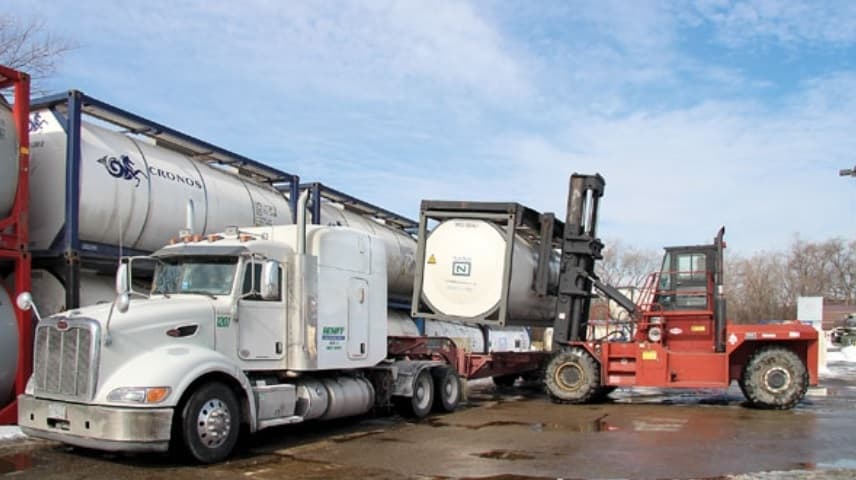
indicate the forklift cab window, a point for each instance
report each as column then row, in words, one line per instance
column 691, row 267
column 252, row 280
column 683, row 281
column 665, row 275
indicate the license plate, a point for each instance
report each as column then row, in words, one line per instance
column 56, row 410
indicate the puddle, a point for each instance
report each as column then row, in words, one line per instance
column 505, row 455
column 508, row 476
column 599, row 424
column 15, row 463
column 436, row 423
column 354, row 436
column 849, row 463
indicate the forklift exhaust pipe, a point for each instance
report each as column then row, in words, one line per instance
column 719, row 295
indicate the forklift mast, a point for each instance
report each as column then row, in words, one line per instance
column 580, row 249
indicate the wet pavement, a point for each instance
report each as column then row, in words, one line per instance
column 519, row 434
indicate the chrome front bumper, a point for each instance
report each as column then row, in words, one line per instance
column 93, row 426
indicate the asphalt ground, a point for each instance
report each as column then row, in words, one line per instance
column 519, row 434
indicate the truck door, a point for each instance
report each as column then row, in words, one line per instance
column 261, row 323
column 358, row 318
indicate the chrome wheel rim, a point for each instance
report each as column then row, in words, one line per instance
column 422, row 394
column 213, row 423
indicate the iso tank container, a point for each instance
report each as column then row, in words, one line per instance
column 463, row 274
column 8, row 188
column 8, row 346
column 133, row 193
column 8, row 160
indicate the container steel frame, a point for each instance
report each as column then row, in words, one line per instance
column 68, row 251
column 541, row 229
column 14, row 234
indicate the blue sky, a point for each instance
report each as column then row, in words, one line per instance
column 698, row 114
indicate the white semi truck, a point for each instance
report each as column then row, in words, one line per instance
column 255, row 327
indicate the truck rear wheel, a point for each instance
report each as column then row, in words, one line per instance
column 447, row 388
column 419, row 405
column 210, row 423
column 572, row 376
column 774, row 378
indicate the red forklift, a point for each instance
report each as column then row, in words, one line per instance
column 677, row 335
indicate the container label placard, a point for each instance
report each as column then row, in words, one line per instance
column 461, row 269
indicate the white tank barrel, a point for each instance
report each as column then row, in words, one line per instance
column 134, row 193
column 400, row 248
column 400, row 324
column 463, row 274
column 8, row 159
column 49, row 291
column 8, row 346
column 472, row 337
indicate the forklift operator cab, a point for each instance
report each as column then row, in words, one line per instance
column 686, row 278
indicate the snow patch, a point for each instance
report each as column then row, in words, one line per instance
column 11, row 432
column 845, row 354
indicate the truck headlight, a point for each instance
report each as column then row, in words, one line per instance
column 138, row 394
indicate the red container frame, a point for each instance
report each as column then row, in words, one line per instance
column 14, row 234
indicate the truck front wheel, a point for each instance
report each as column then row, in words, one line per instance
column 774, row 378
column 210, row 423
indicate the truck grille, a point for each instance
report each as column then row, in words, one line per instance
column 65, row 359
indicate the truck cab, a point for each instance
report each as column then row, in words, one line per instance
column 258, row 327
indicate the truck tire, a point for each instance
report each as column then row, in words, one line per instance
column 447, row 389
column 572, row 376
column 210, row 423
column 420, row 404
column 774, row 378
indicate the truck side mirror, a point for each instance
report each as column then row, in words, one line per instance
column 122, row 286
column 269, row 287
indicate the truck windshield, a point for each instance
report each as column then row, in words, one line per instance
column 197, row 274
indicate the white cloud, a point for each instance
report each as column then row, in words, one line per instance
column 792, row 23
column 672, row 177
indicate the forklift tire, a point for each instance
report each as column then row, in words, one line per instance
column 774, row 378
column 572, row 376
column 210, row 422
column 419, row 405
column 447, row 389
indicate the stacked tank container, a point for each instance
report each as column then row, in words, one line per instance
column 107, row 183
column 15, row 326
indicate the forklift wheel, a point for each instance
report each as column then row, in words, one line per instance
column 774, row 378
column 572, row 376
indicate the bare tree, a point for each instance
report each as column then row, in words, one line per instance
column 626, row 266
column 26, row 45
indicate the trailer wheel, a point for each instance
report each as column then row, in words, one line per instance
column 774, row 378
column 572, row 376
column 447, row 388
column 210, row 423
column 419, row 405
